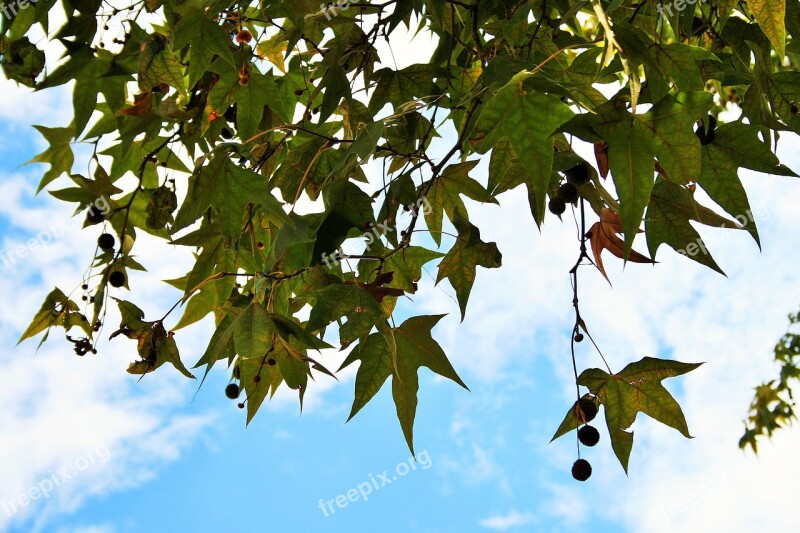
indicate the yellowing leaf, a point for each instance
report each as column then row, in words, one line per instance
column 770, row 15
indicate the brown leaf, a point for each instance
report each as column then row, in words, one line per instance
column 604, row 236
column 661, row 171
column 601, row 154
column 142, row 104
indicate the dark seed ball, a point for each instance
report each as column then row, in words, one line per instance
column 568, row 192
column 106, row 241
column 588, row 435
column 232, row 391
column 117, row 279
column 707, row 136
column 577, row 175
column 557, row 206
column 581, row 470
column 587, row 408
column 94, row 216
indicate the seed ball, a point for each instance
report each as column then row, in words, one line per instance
column 568, row 192
column 579, row 337
column 116, row 279
column 244, row 36
column 707, row 137
column 588, row 408
column 232, row 391
column 557, row 206
column 94, row 217
column 577, row 175
column 271, row 362
column 581, row 470
column 588, row 435
column 106, row 241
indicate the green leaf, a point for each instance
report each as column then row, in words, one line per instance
column 630, row 159
column 407, row 266
column 157, row 64
column 205, row 39
column 350, row 208
column 227, row 188
column 269, row 379
column 667, row 222
column 444, row 196
column 253, row 332
column 375, row 368
column 250, row 102
column 57, row 310
column 460, row 264
column 21, row 60
column 344, row 300
column 637, row 388
column 59, row 154
column 415, row 349
column 671, row 122
column 528, row 119
column 401, row 86
column 168, row 352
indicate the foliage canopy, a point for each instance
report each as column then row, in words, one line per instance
column 213, row 123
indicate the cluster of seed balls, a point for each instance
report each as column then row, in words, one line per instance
column 585, row 410
column 105, row 242
column 568, row 192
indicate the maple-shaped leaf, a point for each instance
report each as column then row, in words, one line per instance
column 227, row 188
column 352, row 301
column 461, row 263
column 527, row 118
column 604, row 236
column 204, row 38
column 57, row 310
column 637, row 388
column 736, row 145
column 59, row 154
column 669, row 214
column 153, row 344
column 445, row 197
column 407, row 266
column 415, row 348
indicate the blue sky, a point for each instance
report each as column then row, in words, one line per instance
column 169, row 463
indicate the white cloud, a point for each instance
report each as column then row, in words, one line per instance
column 60, row 411
column 512, row 519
